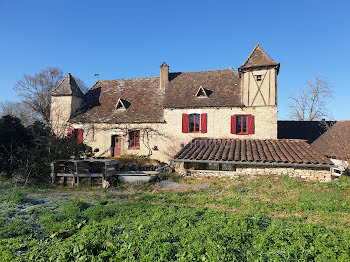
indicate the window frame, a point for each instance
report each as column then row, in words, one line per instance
column 194, row 123
column 134, row 140
column 246, row 125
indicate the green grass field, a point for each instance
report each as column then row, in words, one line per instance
column 262, row 219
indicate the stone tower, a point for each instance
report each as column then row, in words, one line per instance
column 259, row 79
column 65, row 100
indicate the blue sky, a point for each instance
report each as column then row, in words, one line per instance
column 125, row 39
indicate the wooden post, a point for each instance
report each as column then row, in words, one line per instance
column 53, row 174
column 76, row 171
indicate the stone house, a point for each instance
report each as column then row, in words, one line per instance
column 160, row 116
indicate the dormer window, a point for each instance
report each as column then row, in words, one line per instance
column 121, row 105
column 201, row 92
column 258, row 77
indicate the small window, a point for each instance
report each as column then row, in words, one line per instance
column 201, row 92
column 194, row 123
column 120, row 105
column 134, row 139
column 258, row 78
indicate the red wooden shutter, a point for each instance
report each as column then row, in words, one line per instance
column 184, row 123
column 203, row 123
column 251, row 125
column 233, row 124
column 69, row 133
column 80, row 135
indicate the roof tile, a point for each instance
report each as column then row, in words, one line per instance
column 252, row 150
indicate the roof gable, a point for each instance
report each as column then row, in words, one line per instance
column 258, row 58
column 69, row 87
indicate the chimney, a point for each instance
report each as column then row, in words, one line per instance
column 164, row 75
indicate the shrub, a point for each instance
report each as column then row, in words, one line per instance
column 26, row 152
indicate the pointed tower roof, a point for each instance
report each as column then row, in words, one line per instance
column 68, row 87
column 258, row 58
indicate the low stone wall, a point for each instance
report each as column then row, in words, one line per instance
column 311, row 174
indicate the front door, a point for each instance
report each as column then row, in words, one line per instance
column 117, row 146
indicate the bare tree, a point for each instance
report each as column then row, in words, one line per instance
column 311, row 101
column 19, row 110
column 36, row 90
column 83, row 87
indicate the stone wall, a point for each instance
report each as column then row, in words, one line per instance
column 312, row 174
column 62, row 108
column 167, row 137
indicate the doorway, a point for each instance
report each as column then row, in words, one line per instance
column 116, row 146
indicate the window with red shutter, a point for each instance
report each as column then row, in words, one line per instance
column 134, row 139
column 242, row 124
column 194, row 123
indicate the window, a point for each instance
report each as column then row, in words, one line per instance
column 210, row 166
column 122, row 104
column 134, row 139
column 201, row 92
column 242, row 124
column 258, row 77
column 194, row 123
column 76, row 134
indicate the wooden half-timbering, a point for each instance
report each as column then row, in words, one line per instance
column 259, row 87
column 87, row 171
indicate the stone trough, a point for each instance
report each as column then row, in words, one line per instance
column 137, row 176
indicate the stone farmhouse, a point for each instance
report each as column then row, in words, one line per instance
column 211, row 122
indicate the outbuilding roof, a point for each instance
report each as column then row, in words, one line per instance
column 272, row 151
column 335, row 142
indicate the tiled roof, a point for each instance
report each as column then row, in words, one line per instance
column 142, row 98
column 258, row 58
column 68, row 86
column 222, row 86
column 251, row 150
column 335, row 142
